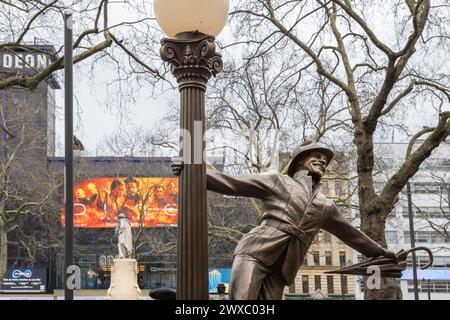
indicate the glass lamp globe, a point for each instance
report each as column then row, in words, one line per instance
column 205, row 16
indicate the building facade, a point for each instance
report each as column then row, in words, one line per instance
column 430, row 188
column 327, row 252
column 32, row 110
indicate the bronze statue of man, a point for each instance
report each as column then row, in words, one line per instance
column 268, row 258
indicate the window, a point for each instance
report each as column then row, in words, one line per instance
column 386, row 164
column 305, row 284
column 317, row 283
column 425, row 187
column 392, row 215
column 424, row 260
column 426, row 237
column 435, row 163
column 328, row 259
column 406, row 236
column 344, row 286
column 423, row 236
column 326, row 236
column 361, row 285
column 421, row 261
column 405, row 211
column 391, row 236
column 292, row 288
column 447, row 262
column 316, row 258
column 342, row 258
column 325, row 189
column 442, row 286
column 428, row 212
column 444, row 164
column 338, row 188
column 439, row 262
column 330, row 284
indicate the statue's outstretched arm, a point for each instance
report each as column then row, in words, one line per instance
column 341, row 228
column 252, row 185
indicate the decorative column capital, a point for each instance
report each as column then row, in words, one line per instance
column 193, row 58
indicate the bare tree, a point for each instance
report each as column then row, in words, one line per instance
column 26, row 187
column 26, row 25
column 378, row 74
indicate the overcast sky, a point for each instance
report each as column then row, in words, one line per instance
column 94, row 120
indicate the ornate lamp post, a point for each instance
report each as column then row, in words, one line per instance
column 191, row 26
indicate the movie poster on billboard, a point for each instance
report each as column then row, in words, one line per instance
column 146, row 202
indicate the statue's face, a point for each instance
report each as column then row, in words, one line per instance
column 315, row 163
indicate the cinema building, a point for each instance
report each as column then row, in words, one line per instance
column 142, row 188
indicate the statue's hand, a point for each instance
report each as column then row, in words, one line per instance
column 389, row 254
column 177, row 165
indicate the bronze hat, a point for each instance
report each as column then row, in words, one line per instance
column 305, row 148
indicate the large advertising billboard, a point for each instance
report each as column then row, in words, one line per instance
column 146, row 202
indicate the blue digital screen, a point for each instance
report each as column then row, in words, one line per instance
column 216, row 276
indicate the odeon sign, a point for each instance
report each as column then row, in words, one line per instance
column 24, row 61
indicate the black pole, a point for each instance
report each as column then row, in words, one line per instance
column 68, row 149
column 429, row 290
column 412, row 240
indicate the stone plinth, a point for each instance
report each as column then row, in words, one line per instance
column 124, row 281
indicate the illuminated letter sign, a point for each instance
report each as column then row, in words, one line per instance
column 24, row 61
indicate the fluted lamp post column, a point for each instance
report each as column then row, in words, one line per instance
column 191, row 26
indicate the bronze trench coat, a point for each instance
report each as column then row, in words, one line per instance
column 294, row 214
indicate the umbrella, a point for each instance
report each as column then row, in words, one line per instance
column 389, row 268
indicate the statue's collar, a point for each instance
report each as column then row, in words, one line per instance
column 300, row 174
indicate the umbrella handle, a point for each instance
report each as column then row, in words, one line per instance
column 430, row 254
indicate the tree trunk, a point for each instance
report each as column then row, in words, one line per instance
column 3, row 250
column 374, row 226
column 373, row 211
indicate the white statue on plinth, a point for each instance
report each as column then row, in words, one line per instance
column 125, row 237
column 124, row 269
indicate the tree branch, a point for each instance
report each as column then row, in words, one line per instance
column 411, row 165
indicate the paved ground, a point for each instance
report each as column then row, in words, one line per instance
column 59, row 295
